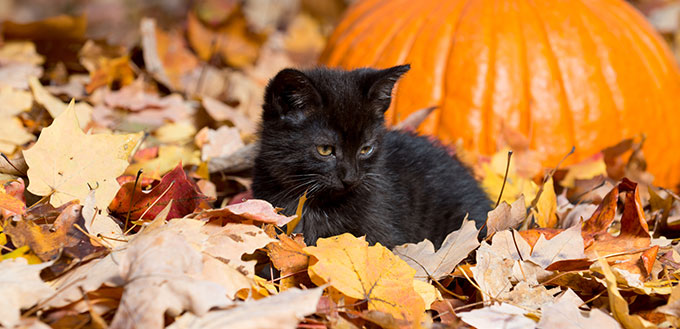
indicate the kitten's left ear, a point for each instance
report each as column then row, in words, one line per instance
column 380, row 91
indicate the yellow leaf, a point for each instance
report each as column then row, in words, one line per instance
column 427, row 292
column 56, row 107
column 617, row 304
column 14, row 101
column 515, row 186
column 373, row 274
column 588, row 169
column 65, row 163
column 168, row 158
column 13, row 134
column 546, row 206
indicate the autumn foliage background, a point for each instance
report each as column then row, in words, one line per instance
column 127, row 131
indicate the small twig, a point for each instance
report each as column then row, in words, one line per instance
column 132, row 198
column 505, row 178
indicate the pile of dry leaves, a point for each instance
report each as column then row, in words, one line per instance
column 118, row 211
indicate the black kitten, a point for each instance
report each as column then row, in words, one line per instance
column 323, row 132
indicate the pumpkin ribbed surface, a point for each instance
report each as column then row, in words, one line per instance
column 584, row 73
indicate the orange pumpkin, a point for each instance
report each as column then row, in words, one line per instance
column 583, row 73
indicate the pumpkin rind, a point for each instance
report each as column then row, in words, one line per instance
column 583, row 73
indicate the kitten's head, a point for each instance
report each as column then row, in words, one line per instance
column 322, row 129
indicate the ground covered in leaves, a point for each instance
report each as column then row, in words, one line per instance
column 129, row 207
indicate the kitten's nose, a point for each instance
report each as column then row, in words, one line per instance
column 349, row 178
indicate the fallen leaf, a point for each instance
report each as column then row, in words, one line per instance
column 565, row 313
column 9, row 204
column 284, row 310
column 175, row 133
column 168, row 158
column 372, row 274
column 546, row 206
column 567, row 245
column 498, row 316
column 232, row 241
column 617, row 304
column 65, row 163
column 14, row 101
column 506, row 216
column 47, row 240
column 56, row 107
column 221, row 143
column 437, row 265
column 21, row 288
column 587, row 169
column 20, row 52
column 14, row 134
column 223, row 112
column 150, row 260
column 247, row 212
column 18, row 75
column 175, row 186
column 100, row 224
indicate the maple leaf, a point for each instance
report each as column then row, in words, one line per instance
column 65, row 163
column 21, row 287
column 150, row 260
column 230, row 242
column 372, row 274
column 506, row 216
column 284, row 310
column 498, row 316
column 428, row 263
column 175, row 186
column 48, row 240
column 564, row 313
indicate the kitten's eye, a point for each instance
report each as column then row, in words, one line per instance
column 366, row 150
column 325, row 150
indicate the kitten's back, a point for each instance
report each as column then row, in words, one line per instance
column 437, row 188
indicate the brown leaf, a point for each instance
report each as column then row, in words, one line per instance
column 21, row 288
column 284, row 311
column 151, row 259
column 506, row 216
column 47, row 240
column 428, row 263
column 248, row 212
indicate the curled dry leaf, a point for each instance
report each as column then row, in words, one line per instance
column 163, row 264
column 175, row 186
column 565, row 313
column 506, row 216
column 221, row 112
column 222, row 142
column 21, row 288
column 498, row 316
column 617, row 304
column 373, row 274
column 47, row 240
column 437, row 265
column 65, row 163
column 247, row 212
column 284, row 310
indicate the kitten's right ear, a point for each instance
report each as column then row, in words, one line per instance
column 289, row 95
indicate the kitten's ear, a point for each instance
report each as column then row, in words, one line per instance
column 290, row 94
column 383, row 82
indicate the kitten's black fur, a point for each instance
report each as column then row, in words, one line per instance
column 406, row 190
